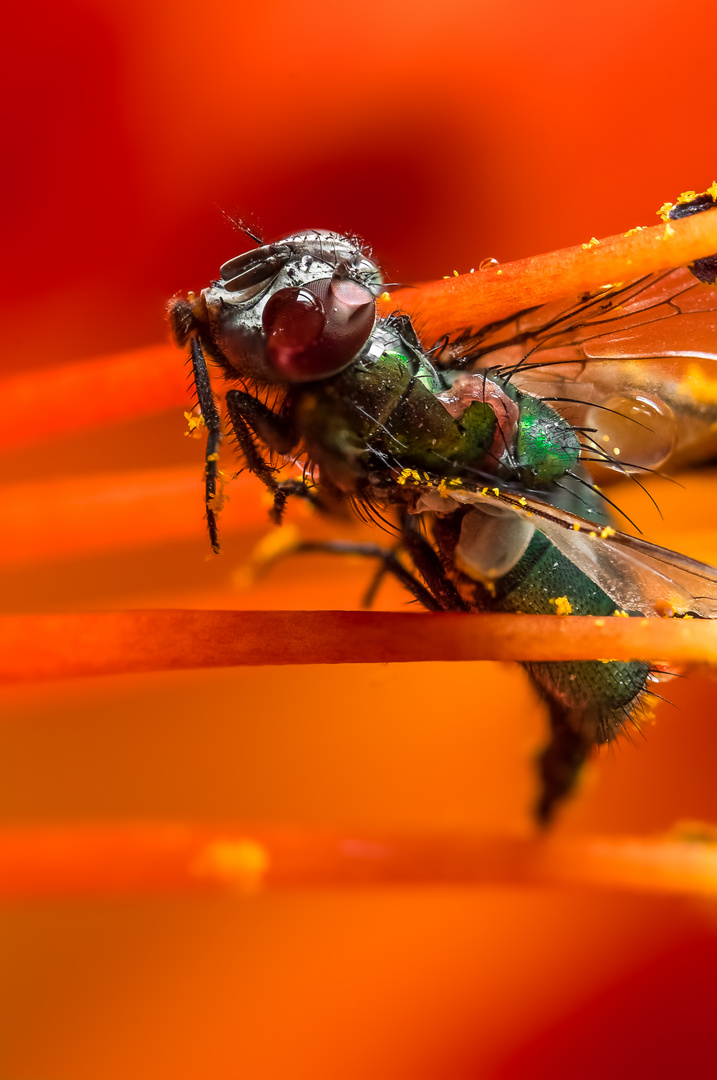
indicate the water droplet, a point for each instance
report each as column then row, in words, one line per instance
column 642, row 430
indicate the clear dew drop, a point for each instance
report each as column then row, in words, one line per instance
column 641, row 431
column 487, row 263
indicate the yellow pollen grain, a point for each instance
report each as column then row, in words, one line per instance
column 496, row 492
column 637, row 229
column 562, row 605
column 276, row 543
column 576, row 526
column 698, row 386
column 194, row 423
column 607, row 531
column 616, row 451
column 239, row 863
column 592, row 534
column 621, row 614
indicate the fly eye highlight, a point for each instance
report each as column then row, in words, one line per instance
column 317, row 329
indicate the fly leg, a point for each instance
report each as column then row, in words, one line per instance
column 390, row 564
column 210, row 415
column 429, row 566
column 253, row 421
column 562, row 759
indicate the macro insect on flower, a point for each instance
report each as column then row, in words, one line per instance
column 478, row 447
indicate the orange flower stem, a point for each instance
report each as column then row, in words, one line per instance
column 54, row 646
column 473, row 300
column 45, row 861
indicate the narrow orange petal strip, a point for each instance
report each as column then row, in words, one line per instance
column 46, row 861
column 53, row 646
column 109, row 511
column 92, row 393
column 472, row 300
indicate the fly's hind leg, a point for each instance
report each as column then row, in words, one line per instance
column 390, row 564
column 591, row 702
column 559, row 764
column 253, row 421
column 426, row 560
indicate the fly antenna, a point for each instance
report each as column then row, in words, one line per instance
column 241, row 227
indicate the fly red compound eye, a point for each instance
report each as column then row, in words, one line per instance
column 318, row 329
column 294, row 321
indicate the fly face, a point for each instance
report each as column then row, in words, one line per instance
column 295, row 310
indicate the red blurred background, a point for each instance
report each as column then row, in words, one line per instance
column 443, row 134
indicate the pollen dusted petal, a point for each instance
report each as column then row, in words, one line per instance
column 473, row 300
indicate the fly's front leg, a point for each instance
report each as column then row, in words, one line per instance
column 251, row 420
column 210, row 415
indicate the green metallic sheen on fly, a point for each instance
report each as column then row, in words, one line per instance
column 495, row 508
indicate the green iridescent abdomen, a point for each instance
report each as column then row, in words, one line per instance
column 599, row 693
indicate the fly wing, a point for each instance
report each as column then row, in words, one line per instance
column 655, row 338
column 637, row 575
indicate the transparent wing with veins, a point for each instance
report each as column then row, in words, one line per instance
column 654, row 339
column 637, row 575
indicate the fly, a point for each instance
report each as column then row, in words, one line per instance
column 466, row 443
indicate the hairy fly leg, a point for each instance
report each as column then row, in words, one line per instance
column 390, row 564
column 591, row 703
column 210, row 415
column 429, row 566
column 252, row 421
column 188, row 329
column 559, row 764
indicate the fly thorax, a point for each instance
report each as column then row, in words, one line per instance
column 546, row 445
column 492, row 541
column 475, row 389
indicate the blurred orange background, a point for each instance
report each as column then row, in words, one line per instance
column 443, row 134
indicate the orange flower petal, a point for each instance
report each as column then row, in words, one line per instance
column 441, row 307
